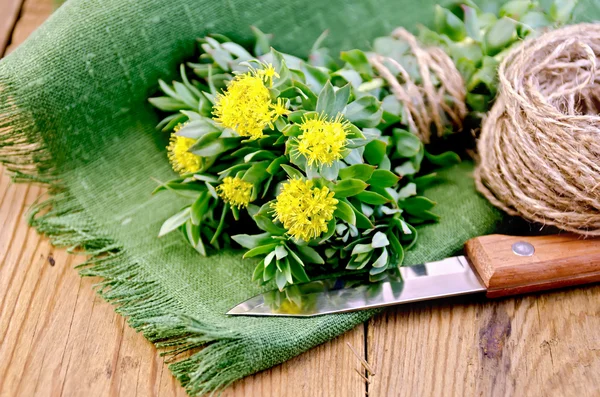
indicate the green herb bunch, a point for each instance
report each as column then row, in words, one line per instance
column 478, row 38
column 305, row 159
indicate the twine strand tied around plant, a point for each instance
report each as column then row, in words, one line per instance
column 436, row 102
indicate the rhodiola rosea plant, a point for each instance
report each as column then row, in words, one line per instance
column 305, row 163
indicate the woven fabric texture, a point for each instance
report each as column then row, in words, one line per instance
column 74, row 115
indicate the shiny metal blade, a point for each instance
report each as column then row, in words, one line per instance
column 449, row 277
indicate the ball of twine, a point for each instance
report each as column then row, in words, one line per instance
column 540, row 144
column 435, row 103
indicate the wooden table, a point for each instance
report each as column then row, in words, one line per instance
column 57, row 337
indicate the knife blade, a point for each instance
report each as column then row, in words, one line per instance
column 496, row 265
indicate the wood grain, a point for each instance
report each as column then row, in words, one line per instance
column 557, row 261
column 537, row 345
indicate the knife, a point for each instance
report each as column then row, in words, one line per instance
column 497, row 265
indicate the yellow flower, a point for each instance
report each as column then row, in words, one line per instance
column 246, row 105
column 322, row 141
column 304, row 210
column 182, row 161
column 267, row 73
column 279, row 109
column 235, row 191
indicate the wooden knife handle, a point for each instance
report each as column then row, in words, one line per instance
column 507, row 266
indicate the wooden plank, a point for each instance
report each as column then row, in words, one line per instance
column 57, row 337
column 8, row 18
column 537, row 345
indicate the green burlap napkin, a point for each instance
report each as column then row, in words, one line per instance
column 74, row 115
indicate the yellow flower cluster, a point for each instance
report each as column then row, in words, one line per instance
column 181, row 160
column 246, row 105
column 235, row 191
column 304, row 210
column 322, row 141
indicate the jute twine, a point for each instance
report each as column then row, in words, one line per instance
column 540, row 144
column 436, row 103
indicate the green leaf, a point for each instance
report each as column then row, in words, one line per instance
column 419, row 207
column 372, row 198
column 252, row 241
column 206, row 178
column 280, row 280
column 361, row 249
column 407, row 191
column 362, row 222
column 344, row 212
column 258, row 155
column 167, row 104
column 379, row 240
column 365, row 112
column 212, row 144
column 266, row 223
column 350, row 76
column 275, row 165
column 357, row 171
column 561, row 11
column 310, row 255
column 531, row 21
column 167, row 89
column 199, row 207
column 449, row 24
column 445, row 159
column 258, row 272
column 486, row 75
column 397, row 252
column 419, row 203
column 186, row 95
column 263, row 44
column 375, row 152
column 269, row 272
column 341, row 100
column 260, row 250
column 221, row 225
column 280, row 252
column 407, row 144
column 502, row 34
column 382, row 261
column 174, row 221
column 316, row 77
column 472, row 23
column 298, row 271
column 187, row 190
column 349, row 187
column 358, row 60
column 281, row 68
column 292, row 172
column 425, row 180
column 168, row 123
column 383, row 179
column 310, row 102
column 326, row 100
column 257, row 173
column 515, row 8
column 330, row 231
column 406, row 168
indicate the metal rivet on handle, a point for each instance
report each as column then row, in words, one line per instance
column 523, row 248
